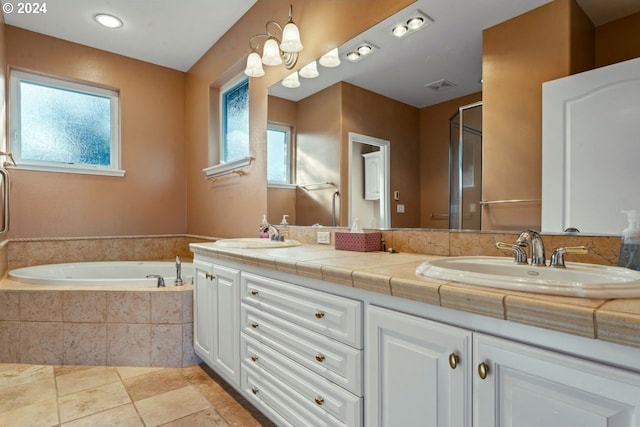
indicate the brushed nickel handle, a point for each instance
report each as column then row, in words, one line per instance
column 483, row 370
column 254, row 358
column 254, row 390
column 254, row 325
column 254, row 292
column 319, row 400
column 209, row 276
column 454, row 359
column 320, row 357
column 319, row 314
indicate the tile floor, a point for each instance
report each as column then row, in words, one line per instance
column 86, row 396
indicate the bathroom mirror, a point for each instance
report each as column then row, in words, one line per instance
column 435, row 54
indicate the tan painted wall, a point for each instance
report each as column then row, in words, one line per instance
column 617, row 41
column 3, row 109
column 234, row 206
column 518, row 55
column 151, row 198
column 434, row 159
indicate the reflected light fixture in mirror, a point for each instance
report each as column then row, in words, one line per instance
column 310, row 70
column 274, row 51
column 330, row 59
column 291, row 81
column 361, row 51
column 416, row 22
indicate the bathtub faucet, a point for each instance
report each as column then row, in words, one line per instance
column 159, row 277
column 178, row 281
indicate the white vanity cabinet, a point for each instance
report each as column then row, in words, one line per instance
column 527, row 386
column 301, row 353
column 216, row 317
column 418, row 372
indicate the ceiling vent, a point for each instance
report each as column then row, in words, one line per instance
column 441, row 84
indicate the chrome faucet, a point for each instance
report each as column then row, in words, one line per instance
column 533, row 240
column 274, row 233
column 159, row 277
column 178, row 281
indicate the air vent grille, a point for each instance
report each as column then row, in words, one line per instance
column 441, row 84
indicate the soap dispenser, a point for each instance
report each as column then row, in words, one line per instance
column 630, row 247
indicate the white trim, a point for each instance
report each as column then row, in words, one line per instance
column 277, row 184
column 219, row 169
column 86, row 170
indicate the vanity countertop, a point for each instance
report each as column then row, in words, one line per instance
column 614, row 320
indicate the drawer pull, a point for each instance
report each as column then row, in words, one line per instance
column 254, row 358
column 254, row 390
column 319, row 401
column 319, row 314
column 483, row 370
column 320, row 357
column 254, row 325
column 209, row 276
column 254, row 293
column 454, row 359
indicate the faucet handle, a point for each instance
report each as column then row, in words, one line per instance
column 520, row 254
column 557, row 257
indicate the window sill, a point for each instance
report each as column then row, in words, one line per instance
column 281, row 185
column 69, row 169
column 226, row 168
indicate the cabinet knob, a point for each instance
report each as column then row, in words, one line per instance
column 454, row 359
column 319, row 400
column 254, row 292
column 320, row 357
column 254, row 390
column 483, row 370
column 254, row 358
column 319, row 314
column 254, row 325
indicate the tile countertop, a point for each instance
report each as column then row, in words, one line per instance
column 614, row 320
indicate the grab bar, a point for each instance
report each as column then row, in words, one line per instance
column 5, row 200
column 497, row 202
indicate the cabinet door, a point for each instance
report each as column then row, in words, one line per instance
column 530, row 387
column 372, row 176
column 202, row 313
column 226, row 323
column 417, row 372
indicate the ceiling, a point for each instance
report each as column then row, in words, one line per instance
column 177, row 34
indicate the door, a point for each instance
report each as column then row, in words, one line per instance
column 226, row 323
column 530, row 387
column 418, row 372
column 202, row 313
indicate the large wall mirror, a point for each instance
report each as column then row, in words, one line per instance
column 384, row 94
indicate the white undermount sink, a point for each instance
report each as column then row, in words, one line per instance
column 254, row 243
column 577, row 279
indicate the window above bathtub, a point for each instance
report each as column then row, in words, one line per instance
column 59, row 125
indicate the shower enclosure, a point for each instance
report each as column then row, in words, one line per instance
column 465, row 167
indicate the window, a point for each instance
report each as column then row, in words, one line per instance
column 279, row 159
column 235, row 120
column 63, row 126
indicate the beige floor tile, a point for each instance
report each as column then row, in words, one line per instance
column 27, row 393
column 42, row 414
column 154, row 383
column 133, row 371
column 87, row 402
column 206, row 418
column 120, row 416
column 237, row 416
column 86, row 379
column 16, row 374
column 171, row 406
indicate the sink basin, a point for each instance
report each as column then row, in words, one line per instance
column 578, row 279
column 254, row 243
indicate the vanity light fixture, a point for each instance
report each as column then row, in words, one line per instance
column 310, row 70
column 274, row 51
column 109, row 21
column 291, row 81
column 361, row 51
column 330, row 59
column 414, row 23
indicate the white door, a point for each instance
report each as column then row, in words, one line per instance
column 417, row 372
column 202, row 313
column 530, row 387
column 226, row 323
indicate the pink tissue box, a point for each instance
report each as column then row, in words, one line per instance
column 361, row 242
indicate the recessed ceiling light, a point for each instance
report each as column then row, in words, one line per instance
column 414, row 23
column 399, row 30
column 361, row 51
column 108, row 21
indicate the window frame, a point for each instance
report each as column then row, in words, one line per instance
column 289, row 131
column 230, row 86
column 16, row 77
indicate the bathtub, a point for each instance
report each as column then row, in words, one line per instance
column 102, row 273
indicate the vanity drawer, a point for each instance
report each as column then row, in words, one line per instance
column 331, row 359
column 280, row 381
column 336, row 317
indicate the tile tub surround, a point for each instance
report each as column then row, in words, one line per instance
column 96, row 326
column 612, row 320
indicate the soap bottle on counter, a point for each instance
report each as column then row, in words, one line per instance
column 630, row 247
column 263, row 231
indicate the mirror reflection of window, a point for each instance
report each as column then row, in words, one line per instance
column 234, row 100
column 279, row 169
